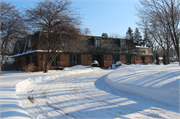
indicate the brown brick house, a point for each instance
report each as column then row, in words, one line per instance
column 106, row 51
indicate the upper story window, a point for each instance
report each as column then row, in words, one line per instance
column 29, row 43
column 17, row 46
column 64, row 43
column 97, row 42
column 122, row 43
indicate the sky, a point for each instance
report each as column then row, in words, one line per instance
column 100, row 16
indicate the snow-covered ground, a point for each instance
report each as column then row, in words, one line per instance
column 131, row 91
column 160, row 83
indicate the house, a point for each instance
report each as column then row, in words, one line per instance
column 105, row 50
column 7, row 59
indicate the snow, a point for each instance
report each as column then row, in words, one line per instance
column 118, row 63
column 160, row 83
column 130, row 91
column 95, row 62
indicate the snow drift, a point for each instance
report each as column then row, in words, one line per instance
column 55, row 74
column 158, row 82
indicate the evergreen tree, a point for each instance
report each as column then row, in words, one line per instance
column 138, row 38
column 129, row 34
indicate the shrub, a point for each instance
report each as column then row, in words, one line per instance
column 30, row 67
column 118, row 63
column 95, row 64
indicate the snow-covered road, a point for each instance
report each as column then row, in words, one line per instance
column 88, row 96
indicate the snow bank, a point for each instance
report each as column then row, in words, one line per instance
column 158, row 82
column 55, row 73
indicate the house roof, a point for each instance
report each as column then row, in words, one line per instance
column 108, row 46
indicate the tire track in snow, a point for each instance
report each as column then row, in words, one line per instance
column 78, row 96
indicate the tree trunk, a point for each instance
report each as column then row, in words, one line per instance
column 167, row 58
column 46, row 67
column 1, row 62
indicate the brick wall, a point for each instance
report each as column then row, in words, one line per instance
column 148, row 60
column 16, row 61
column 65, row 60
column 39, row 68
column 23, row 60
column 85, row 59
column 107, row 61
column 138, row 60
column 123, row 59
column 133, row 59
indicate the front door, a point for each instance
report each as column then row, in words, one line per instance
column 128, row 59
column 96, row 57
column 143, row 60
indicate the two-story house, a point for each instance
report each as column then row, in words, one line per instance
column 105, row 50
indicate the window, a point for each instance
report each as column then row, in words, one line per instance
column 56, row 61
column 29, row 43
column 19, row 60
column 116, row 58
column 76, row 59
column 64, row 43
column 128, row 59
column 97, row 42
column 143, row 60
column 17, row 46
column 122, row 43
column 35, row 60
column 27, row 60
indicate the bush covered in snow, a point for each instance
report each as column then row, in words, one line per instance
column 118, row 63
column 115, row 66
column 95, row 63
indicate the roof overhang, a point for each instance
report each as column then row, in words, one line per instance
column 31, row 51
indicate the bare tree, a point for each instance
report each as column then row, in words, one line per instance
column 114, row 35
column 86, row 31
column 12, row 28
column 58, row 25
column 161, row 19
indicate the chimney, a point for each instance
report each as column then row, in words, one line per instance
column 105, row 35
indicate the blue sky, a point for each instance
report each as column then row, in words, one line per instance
column 100, row 16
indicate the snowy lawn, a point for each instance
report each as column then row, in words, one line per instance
column 161, row 83
column 141, row 91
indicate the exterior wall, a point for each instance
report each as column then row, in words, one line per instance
column 107, row 62
column 16, row 61
column 23, row 60
column 86, row 59
column 53, row 67
column 64, row 60
column 39, row 68
column 123, row 59
column 133, row 59
column 30, row 58
column 138, row 60
column 148, row 60
column 101, row 63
